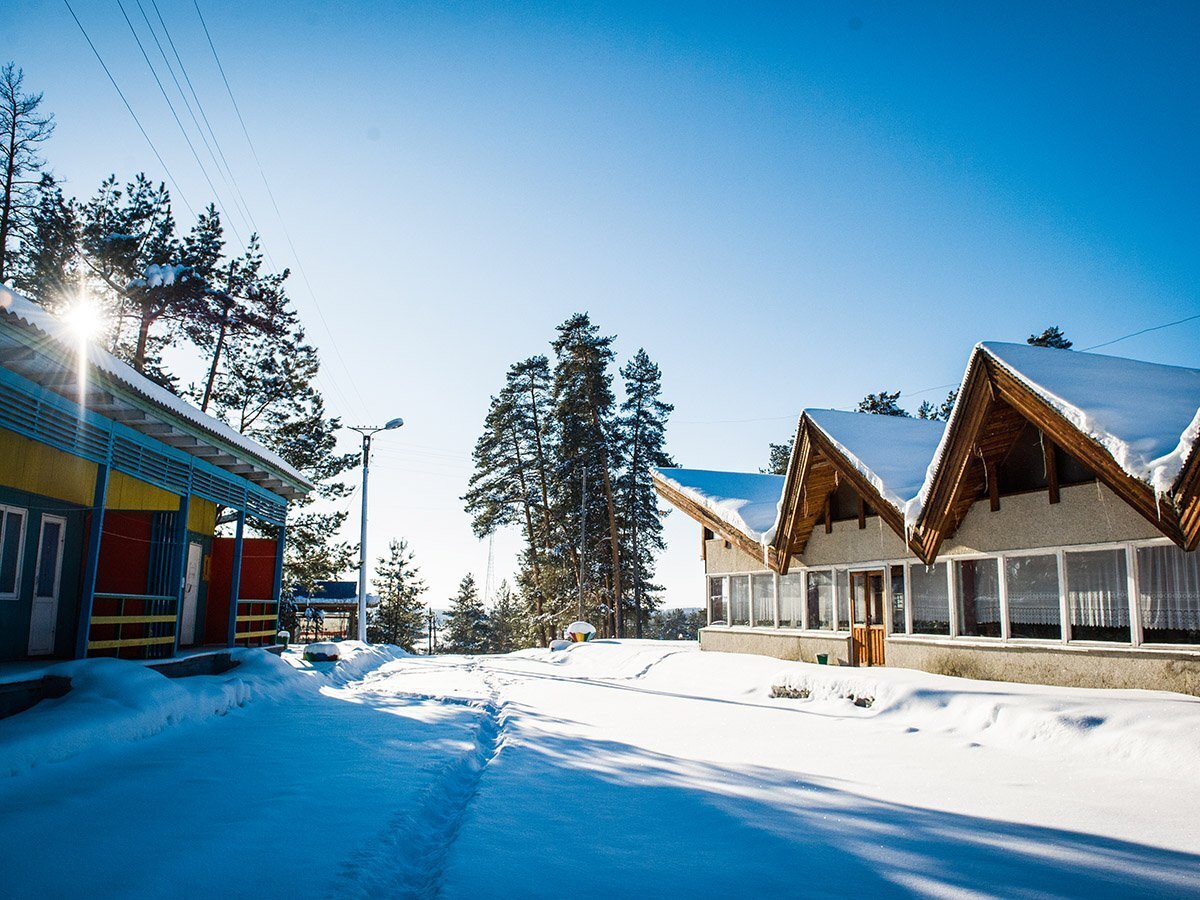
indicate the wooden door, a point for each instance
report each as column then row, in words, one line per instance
column 47, row 584
column 191, row 594
column 867, row 609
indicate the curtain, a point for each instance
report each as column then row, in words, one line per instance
column 1169, row 588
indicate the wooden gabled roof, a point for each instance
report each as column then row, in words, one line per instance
column 998, row 397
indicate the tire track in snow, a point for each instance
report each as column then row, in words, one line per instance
column 408, row 858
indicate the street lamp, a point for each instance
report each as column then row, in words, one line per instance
column 366, row 431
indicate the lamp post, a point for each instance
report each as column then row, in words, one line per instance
column 366, row 431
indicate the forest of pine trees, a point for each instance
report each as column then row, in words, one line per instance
column 162, row 288
column 566, row 463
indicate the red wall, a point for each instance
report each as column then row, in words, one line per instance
column 258, row 581
column 124, row 553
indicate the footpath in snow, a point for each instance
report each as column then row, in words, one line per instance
column 611, row 769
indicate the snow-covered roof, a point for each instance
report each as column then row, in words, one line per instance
column 15, row 307
column 745, row 501
column 891, row 452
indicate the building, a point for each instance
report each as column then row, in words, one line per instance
column 1046, row 533
column 331, row 604
column 111, row 489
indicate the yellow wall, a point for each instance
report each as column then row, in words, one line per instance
column 27, row 465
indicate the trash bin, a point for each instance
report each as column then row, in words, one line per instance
column 822, row 659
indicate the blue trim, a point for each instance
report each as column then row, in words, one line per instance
column 235, row 579
column 65, row 425
column 277, row 588
column 91, row 566
column 181, row 550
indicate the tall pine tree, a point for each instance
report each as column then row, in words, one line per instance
column 400, row 617
column 467, row 621
column 506, row 622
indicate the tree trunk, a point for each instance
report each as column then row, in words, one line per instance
column 613, row 540
column 143, row 338
column 10, row 174
column 212, row 369
column 538, row 593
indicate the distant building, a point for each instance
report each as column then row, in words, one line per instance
column 110, row 488
column 1046, row 533
column 334, row 601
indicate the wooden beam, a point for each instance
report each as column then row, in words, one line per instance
column 993, row 485
column 862, row 513
column 1051, row 467
column 828, row 515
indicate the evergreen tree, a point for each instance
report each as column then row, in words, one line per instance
column 47, row 267
column 777, row 462
column 882, row 404
column 582, row 494
column 506, row 622
column 928, row 411
column 22, row 129
column 467, row 621
column 676, row 624
column 400, row 618
column 642, row 432
column 1051, row 337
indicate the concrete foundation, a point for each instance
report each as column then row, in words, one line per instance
column 782, row 644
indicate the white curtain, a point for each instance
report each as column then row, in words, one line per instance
column 1169, row 588
column 1097, row 589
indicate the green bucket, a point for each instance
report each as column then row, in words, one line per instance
column 822, row 659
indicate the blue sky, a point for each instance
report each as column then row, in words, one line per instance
column 787, row 205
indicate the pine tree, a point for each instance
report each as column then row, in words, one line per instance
column 780, row 457
column 1051, row 337
column 506, row 625
column 583, row 498
column 400, row 618
column 22, row 129
column 642, row 432
column 882, row 404
column 47, row 266
column 467, row 621
column 928, row 411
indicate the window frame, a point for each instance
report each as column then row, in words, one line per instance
column 5, row 509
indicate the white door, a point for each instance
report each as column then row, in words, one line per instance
column 191, row 591
column 47, row 581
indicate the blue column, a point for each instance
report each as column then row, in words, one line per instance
column 277, row 588
column 91, row 565
column 235, row 579
column 180, row 544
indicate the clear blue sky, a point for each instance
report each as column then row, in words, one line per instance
column 786, row 204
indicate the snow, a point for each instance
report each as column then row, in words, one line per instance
column 29, row 313
column 657, row 770
column 891, row 452
column 159, row 276
column 747, row 502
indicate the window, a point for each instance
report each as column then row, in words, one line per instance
column 843, row 599
column 1169, row 595
column 791, row 600
column 12, row 540
column 716, row 600
column 930, row 599
column 978, row 596
column 1098, row 595
column 739, row 600
column 1033, row 597
column 820, row 600
column 763, row 588
column 898, row 625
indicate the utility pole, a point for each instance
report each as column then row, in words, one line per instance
column 429, row 652
column 366, row 431
column 582, row 537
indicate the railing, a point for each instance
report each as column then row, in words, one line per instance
column 150, row 617
column 253, row 615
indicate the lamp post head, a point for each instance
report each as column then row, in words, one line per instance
column 395, row 423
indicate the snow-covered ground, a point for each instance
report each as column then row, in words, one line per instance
column 612, row 769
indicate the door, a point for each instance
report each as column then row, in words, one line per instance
column 47, row 583
column 191, row 593
column 867, row 610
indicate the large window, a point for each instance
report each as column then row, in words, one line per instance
column 12, row 540
column 763, row 587
column 716, row 600
column 1033, row 597
column 1169, row 595
column 820, row 600
column 930, row 599
column 897, row 585
column 739, row 600
column 1098, row 595
column 977, row 592
column 843, row 599
column 791, row 600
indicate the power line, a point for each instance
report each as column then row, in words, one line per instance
column 175, row 115
column 136, row 120
column 271, row 194
column 1143, row 331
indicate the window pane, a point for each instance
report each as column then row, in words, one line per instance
column 1169, row 589
column 739, row 600
column 820, row 600
column 978, row 592
column 48, row 562
column 716, row 600
column 764, row 599
column 1098, row 596
column 1033, row 597
column 898, row 600
column 930, row 599
column 843, row 599
column 10, row 551
column 791, row 599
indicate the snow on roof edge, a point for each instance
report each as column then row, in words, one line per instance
column 31, row 314
column 720, row 506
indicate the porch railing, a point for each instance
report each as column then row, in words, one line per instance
column 126, row 621
column 256, row 621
